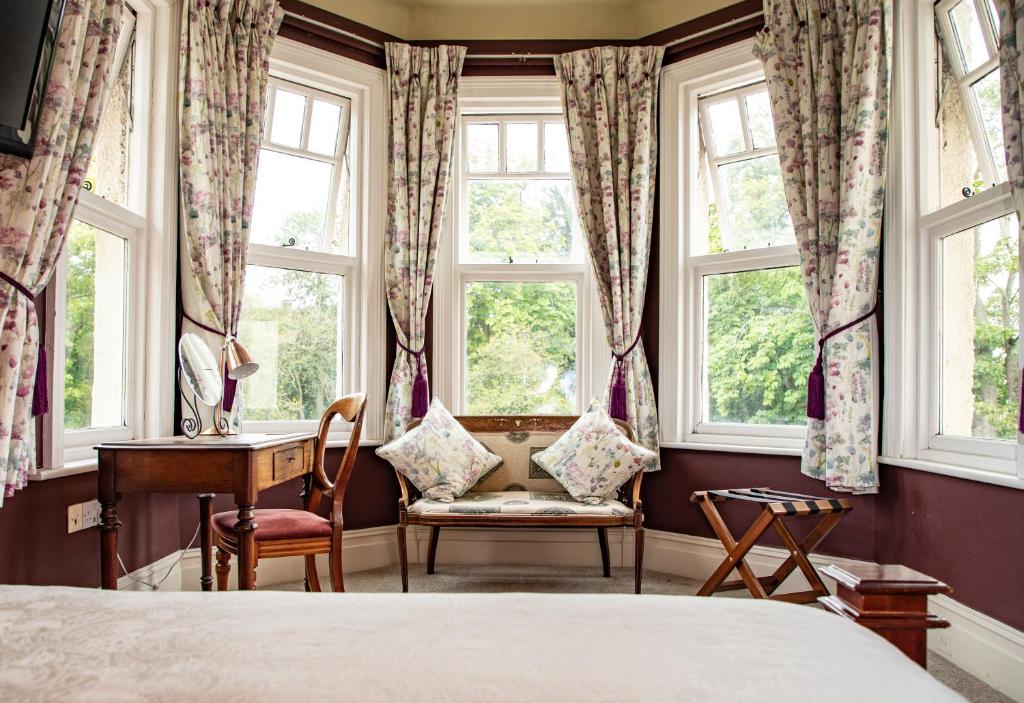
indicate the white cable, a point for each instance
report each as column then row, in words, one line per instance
column 156, row 586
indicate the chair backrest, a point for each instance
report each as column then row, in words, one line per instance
column 516, row 438
column 351, row 408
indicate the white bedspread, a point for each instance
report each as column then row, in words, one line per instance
column 67, row 644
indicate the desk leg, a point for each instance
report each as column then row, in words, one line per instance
column 108, row 542
column 206, row 539
column 246, row 527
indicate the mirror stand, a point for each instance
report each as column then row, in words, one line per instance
column 192, row 419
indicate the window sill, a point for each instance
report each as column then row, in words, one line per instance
column 72, row 468
column 934, row 467
column 735, row 448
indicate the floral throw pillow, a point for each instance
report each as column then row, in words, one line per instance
column 593, row 458
column 439, row 456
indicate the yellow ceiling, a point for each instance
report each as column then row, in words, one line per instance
column 521, row 19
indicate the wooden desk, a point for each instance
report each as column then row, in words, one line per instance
column 242, row 465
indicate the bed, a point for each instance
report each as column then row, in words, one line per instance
column 69, row 644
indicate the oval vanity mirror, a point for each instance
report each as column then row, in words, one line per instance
column 200, row 368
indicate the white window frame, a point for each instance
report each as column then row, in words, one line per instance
column 147, row 225
column 965, row 79
column 682, row 396
column 323, row 75
column 490, row 100
column 914, row 228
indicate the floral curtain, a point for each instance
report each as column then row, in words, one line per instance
column 37, row 199
column 423, row 85
column 827, row 68
column 223, row 70
column 1011, row 69
column 610, row 98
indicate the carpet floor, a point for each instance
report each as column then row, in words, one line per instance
column 464, row 578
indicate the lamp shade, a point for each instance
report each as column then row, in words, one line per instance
column 239, row 361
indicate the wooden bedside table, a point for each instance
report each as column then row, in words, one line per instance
column 890, row 599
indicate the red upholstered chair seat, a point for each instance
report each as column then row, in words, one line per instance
column 273, row 524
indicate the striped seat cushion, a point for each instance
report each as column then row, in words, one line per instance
column 518, row 503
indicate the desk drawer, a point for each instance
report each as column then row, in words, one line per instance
column 288, row 462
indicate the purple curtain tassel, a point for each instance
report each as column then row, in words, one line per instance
column 41, row 392
column 420, row 392
column 816, row 389
column 1020, row 417
column 230, row 387
column 617, row 399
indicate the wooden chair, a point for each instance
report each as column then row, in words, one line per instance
column 286, row 533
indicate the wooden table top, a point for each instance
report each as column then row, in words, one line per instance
column 885, row 578
column 245, row 441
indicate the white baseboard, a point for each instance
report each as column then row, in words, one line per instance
column 371, row 548
column 977, row 643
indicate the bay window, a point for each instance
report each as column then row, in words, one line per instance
column 737, row 346
column 109, row 314
column 514, row 297
column 312, row 312
column 952, row 273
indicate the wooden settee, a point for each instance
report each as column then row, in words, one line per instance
column 518, row 493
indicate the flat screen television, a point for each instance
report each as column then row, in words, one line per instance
column 28, row 31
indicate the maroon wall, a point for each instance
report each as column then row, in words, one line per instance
column 966, row 533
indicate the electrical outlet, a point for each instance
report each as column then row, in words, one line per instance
column 90, row 514
column 74, row 517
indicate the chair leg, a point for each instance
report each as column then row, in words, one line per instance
column 337, row 576
column 602, row 539
column 435, row 533
column 639, row 558
column 223, row 569
column 403, row 558
column 312, row 578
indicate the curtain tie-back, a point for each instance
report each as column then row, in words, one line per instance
column 816, row 379
column 420, row 391
column 230, row 384
column 617, row 397
column 41, row 391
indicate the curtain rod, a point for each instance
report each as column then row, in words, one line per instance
column 524, row 56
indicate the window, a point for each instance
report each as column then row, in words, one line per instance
column 294, row 314
column 95, row 314
column 952, row 274
column 736, row 348
column 521, row 264
column 513, row 279
column 312, row 311
column 756, row 338
column 968, row 111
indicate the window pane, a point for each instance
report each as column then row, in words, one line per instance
column 482, row 147
column 323, row 128
column 969, row 34
column 726, row 127
column 95, row 328
column 959, row 166
column 291, row 200
column 980, row 385
column 292, row 323
column 520, row 347
column 986, row 92
column 521, row 147
column 110, row 161
column 556, row 148
column 759, row 348
column 528, row 221
column 759, row 117
column 289, row 113
column 755, row 204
